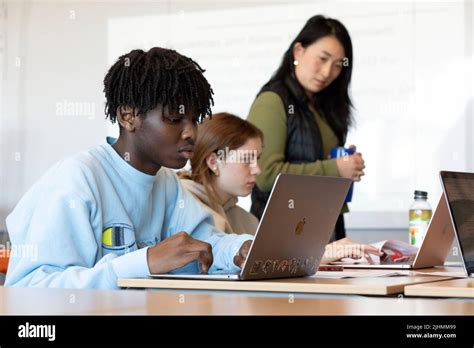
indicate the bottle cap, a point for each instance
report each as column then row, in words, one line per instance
column 421, row 194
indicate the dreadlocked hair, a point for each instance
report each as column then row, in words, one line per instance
column 159, row 77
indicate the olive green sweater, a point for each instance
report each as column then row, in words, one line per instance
column 268, row 114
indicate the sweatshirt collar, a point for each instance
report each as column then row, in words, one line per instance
column 199, row 190
column 124, row 168
column 230, row 204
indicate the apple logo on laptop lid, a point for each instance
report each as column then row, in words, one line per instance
column 300, row 227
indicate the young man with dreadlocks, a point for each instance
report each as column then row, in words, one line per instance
column 115, row 211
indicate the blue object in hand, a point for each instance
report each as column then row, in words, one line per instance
column 341, row 151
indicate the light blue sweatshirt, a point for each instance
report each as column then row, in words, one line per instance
column 89, row 220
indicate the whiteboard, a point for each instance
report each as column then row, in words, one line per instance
column 412, row 83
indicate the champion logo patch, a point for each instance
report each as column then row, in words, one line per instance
column 118, row 237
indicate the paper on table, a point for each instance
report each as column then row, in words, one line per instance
column 359, row 274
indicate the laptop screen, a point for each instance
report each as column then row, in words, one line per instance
column 459, row 190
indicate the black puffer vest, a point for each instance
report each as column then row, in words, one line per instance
column 303, row 139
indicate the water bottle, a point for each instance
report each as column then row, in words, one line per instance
column 420, row 215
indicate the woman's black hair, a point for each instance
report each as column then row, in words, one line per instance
column 159, row 77
column 333, row 101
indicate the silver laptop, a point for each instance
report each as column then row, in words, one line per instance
column 296, row 225
column 435, row 246
column 453, row 218
column 459, row 190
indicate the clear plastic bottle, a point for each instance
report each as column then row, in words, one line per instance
column 420, row 215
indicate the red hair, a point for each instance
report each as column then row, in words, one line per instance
column 221, row 131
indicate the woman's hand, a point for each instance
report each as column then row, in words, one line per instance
column 351, row 166
column 348, row 248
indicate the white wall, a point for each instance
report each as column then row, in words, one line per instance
column 412, row 82
column 53, row 56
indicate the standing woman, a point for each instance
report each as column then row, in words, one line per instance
column 305, row 110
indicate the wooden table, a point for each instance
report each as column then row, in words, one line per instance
column 448, row 288
column 22, row 301
column 361, row 286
